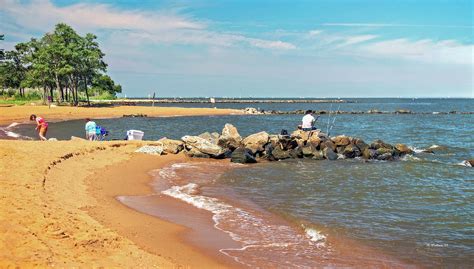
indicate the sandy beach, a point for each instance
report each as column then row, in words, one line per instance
column 22, row 113
column 58, row 205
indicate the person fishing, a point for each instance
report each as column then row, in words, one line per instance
column 41, row 126
column 91, row 130
column 308, row 121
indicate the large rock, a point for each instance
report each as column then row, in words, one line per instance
column 153, row 150
column 203, row 146
column 195, row 153
column 211, row 137
column 382, row 151
column 314, row 140
column 351, row 151
column 327, row 144
column 275, row 139
column 329, row 154
column 360, row 144
column 280, row 154
column 230, row 137
column 300, row 134
column 296, row 153
column 318, row 155
column 308, row 151
column 251, row 110
column 341, row 140
column 242, row 155
column 385, row 157
column 171, row 146
column 403, row 149
column 369, row 153
column 380, row 144
column 256, row 142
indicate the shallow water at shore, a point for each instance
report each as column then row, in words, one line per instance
column 261, row 238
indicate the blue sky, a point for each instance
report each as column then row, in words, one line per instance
column 347, row 48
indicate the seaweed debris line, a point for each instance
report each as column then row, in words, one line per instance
column 314, row 145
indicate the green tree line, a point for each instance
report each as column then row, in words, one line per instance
column 61, row 64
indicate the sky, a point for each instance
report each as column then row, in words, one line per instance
column 268, row 48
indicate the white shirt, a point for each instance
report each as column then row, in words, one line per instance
column 308, row 121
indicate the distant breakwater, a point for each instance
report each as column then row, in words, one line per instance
column 255, row 111
column 209, row 101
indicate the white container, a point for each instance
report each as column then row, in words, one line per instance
column 135, row 135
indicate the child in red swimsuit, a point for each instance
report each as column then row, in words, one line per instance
column 41, row 126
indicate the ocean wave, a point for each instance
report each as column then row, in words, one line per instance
column 8, row 132
column 185, row 193
column 12, row 125
column 416, row 150
column 464, row 163
column 316, row 237
column 410, row 157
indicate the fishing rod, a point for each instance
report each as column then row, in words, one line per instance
column 334, row 119
column 329, row 118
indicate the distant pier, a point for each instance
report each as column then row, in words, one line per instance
column 215, row 100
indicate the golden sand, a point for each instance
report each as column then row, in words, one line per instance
column 22, row 113
column 57, row 210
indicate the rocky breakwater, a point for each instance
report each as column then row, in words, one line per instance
column 263, row 146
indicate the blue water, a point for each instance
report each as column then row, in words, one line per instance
column 355, row 104
column 419, row 209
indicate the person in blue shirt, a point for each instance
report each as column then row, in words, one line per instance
column 91, row 130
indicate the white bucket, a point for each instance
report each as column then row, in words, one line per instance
column 135, row 135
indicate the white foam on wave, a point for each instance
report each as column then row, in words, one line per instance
column 434, row 146
column 12, row 134
column 410, row 157
column 416, row 150
column 464, row 163
column 316, row 236
column 9, row 133
column 12, row 125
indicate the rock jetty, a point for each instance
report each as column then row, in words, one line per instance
column 255, row 111
column 263, row 146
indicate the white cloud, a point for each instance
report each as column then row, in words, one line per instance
column 350, row 40
column 428, row 51
column 159, row 27
column 396, row 25
column 41, row 14
column 314, row 32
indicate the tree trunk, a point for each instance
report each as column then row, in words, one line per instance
column 45, row 95
column 87, row 92
column 51, row 94
column 58, row 86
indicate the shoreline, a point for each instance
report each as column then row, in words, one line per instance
column 132, row 178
